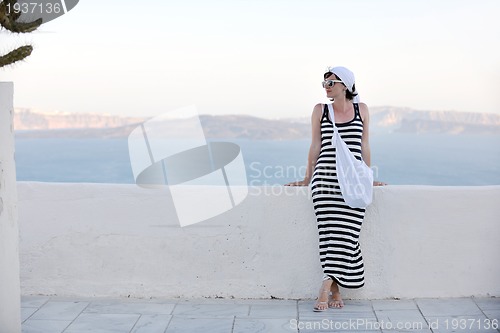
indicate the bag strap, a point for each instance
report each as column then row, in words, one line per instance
column 331, row 115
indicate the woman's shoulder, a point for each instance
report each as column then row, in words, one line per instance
column 363, row 111
column 318, row 110
column 363, row 106
column 318, row 107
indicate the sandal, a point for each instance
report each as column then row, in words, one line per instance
column 321, row 306
column 335, row 303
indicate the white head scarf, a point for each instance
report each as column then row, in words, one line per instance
column 347, row 77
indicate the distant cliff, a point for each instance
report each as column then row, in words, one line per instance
column 392, row 119
column 240, row 126
column 29, row 119
column 30, row 123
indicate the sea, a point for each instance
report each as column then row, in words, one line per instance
column 397, row 159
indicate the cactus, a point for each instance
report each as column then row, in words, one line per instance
column 8, row 21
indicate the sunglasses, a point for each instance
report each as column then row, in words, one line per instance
column 329, row 83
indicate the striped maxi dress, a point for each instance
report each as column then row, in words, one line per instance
column 338, row 224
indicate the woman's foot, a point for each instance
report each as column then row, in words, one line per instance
column 336, row 300
column 323, row 297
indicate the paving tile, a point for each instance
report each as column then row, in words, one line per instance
column 103, row 323
column 27, row 312
column 338, row 315
column 357, row 331
column 401, row 319
column 475, row 323
column 77, row 299
column 44, row 326
column 254, row 325
column 246, row 301
column 273, row 311
column 448, row 307
column 205, row 325
column 211, row 310
column 490, row 303
column 275, row 302
column 152, row 323
column 427, row 330
column 493, row 314
column 60, row 310
column 159, row 300
column 121, row 307
column 306, row 311
column 358, row 306
column 349, row 311
column 55, row 314
column 236, row 301
column 33, row 301
column 394, row 304
column 335, row 324
column 349, row 306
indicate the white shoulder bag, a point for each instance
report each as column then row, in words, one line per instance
column 355, row 177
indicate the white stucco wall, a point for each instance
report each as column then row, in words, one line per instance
column 120, row 240
column 10, row 302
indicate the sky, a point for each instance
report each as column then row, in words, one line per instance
column 259, row 57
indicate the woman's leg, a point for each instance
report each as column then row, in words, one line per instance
column 323, row 297
column 336, row 299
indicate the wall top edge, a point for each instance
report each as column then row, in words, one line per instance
column 298, row 188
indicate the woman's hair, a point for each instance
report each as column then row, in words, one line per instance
column 349, row 95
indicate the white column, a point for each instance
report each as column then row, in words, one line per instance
column 10, row 303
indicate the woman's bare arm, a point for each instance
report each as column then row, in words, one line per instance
column 365, row 138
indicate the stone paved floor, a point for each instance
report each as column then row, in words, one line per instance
column 71, row 315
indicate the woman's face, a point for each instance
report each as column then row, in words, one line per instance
column 335, row 90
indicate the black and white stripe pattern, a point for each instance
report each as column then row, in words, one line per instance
column 338, row 224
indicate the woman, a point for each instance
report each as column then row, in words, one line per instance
column 338, row 224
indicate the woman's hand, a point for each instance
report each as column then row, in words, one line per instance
column 377, row 183
column 299, row 183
